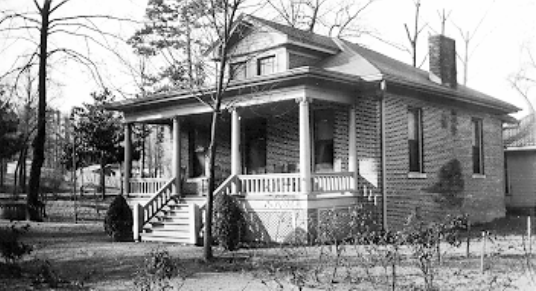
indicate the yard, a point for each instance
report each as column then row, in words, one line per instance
column 82, row 257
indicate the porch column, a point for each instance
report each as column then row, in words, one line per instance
column 305, row 147
column 236, row 165
column 177, row 155
column 352, row 149
column 128, row 158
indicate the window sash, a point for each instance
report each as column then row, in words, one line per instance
column 265, row 65
column 477, row 147
column 415, row 139
column 237, row 71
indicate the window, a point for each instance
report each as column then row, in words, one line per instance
column 265, row 65
column 478, row 146
column 237, row 71
column 198, row 137
column 323, row 136
column 415, row 140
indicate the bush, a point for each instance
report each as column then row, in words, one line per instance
column 118, row 221
column 10, row 246
column 158, row 270
column 229, row 223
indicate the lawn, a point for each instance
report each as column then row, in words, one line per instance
column 82, row 257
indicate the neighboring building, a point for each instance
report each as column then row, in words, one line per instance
column 520, row 164
column 312, row 124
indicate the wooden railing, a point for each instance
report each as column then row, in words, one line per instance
column 333, row 182
column 143, row 213
column 270, row 184
column 146, row 185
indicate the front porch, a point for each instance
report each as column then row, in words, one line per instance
column 293, row 156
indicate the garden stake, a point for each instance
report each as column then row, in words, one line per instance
column 483, row 253
column 468, row 237
column 529, row 230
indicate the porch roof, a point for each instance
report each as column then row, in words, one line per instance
column 314, row 75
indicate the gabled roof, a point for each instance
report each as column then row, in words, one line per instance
column 521, row 135
column 299, row 35
column 370, row 64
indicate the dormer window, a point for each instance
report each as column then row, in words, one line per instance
column 265, row 65
column 237, row 71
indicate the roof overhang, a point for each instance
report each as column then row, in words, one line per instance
column 450, row 96
column 520, row 149
column 302, row 75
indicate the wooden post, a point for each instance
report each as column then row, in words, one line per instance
column 128, row 158
column 136, row 225
column 352, row 149
column 236, row 166
column 177, row 155
column 305, row 147
column 193, row 213
column 467, row 253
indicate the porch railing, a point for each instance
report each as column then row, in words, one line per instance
column 143, row 213
column 270, row 183
column 146, row 185
column 333, row 182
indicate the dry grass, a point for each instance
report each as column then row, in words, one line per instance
column 86, row 259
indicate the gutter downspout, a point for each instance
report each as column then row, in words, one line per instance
column 383, row 86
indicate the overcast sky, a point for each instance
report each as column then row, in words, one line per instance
column 505, row 30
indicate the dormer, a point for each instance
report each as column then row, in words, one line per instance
column 260, row 47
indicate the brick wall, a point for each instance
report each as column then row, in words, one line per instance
column 446, row 136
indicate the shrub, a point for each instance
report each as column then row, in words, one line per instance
column 159, row 268
column 450, row 185
column 10, row 246
column 229, row 223
column 118, row 220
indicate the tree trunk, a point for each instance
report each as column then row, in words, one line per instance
column 2, row 174
column 103, row 175
column 32, row 199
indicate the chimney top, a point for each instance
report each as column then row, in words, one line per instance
column 443, row 60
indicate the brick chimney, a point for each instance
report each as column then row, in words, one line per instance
column 443, row 60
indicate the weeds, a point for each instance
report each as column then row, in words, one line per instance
column 157, row 272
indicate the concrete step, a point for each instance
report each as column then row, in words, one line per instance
column 150, row 237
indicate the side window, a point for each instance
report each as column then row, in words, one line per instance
column 265, row 65
column 478, row 146
column 415, row 138
column 237, row 71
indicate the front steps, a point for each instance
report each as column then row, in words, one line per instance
column 177, row 222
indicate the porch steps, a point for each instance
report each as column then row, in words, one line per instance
column 171, row 224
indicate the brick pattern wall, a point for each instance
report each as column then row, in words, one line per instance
column 446, row 136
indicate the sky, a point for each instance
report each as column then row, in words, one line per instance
column 502, row 32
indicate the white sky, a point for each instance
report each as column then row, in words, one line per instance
column 507, row 28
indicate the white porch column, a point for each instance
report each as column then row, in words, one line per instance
column 177, row 154
column 352, row 145
column 305, row 147
column 127, row 163
column 236, row 165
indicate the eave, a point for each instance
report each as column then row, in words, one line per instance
column 234, row 88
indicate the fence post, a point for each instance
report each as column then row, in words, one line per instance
column 529, row 233
column 193, row 217
column 483, row 252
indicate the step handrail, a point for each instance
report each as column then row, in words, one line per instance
column 225, row 188
column 143, row 213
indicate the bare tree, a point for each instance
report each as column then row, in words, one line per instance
column 413, row 36
column 42, row 23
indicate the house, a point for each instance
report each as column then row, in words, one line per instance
column 314, row 125
column 520, row 164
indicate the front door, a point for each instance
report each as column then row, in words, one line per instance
column 255, row 146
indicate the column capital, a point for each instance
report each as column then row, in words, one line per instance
column 304, row 100
column 235, row 109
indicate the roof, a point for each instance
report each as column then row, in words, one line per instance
column 350, row 59
column 299, row 35
column 394, row 71
column 521, row 135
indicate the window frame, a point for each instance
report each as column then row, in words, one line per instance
column 477, row 150
column 260, row 67
column 417, row 113
column 321, row 115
